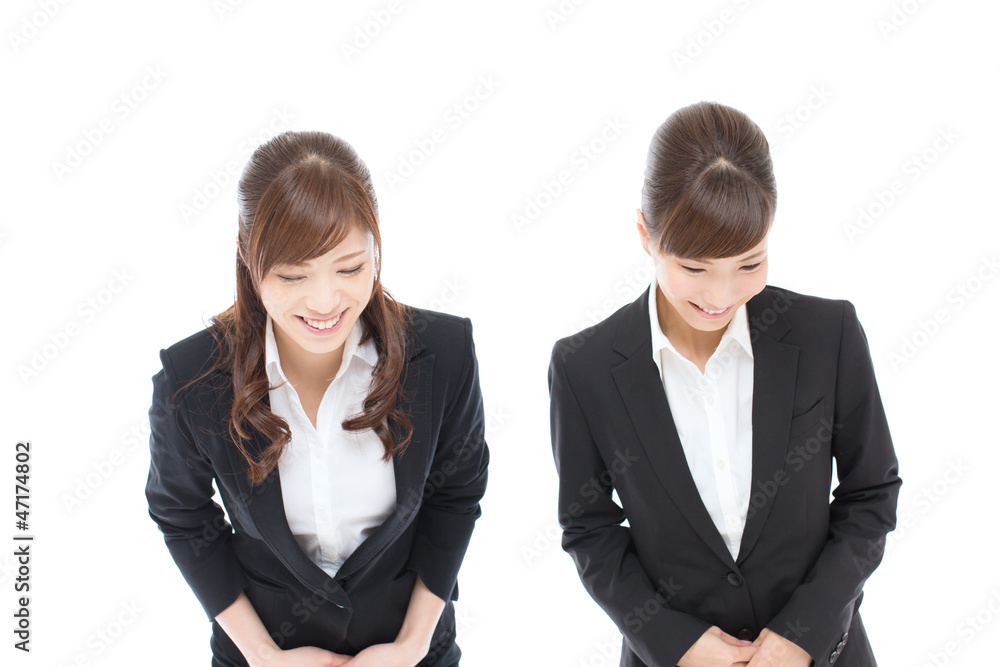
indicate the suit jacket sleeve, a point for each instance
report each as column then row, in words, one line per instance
column 179, row 493
column 455, row 483
column 863, row 510
column 601, row 547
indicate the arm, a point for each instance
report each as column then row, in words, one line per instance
column 179, row 493
column 601, row 547
column 455, row 484
column 414, row 638
column 243, row 625
column 863, row 510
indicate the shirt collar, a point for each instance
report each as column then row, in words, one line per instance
column 738, row 330
column 353, row 347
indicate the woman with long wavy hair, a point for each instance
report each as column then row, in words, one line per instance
column 343, row 429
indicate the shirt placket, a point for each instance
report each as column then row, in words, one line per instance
column 328, row 533
column 721, row 462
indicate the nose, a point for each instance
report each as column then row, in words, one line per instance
column 720, row 294
column 324, row 297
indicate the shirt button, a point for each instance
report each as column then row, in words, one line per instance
column 733, row 521
column 721, row 465
column 710, row 400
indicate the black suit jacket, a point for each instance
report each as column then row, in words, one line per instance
column 667, row 576
column 440, row 479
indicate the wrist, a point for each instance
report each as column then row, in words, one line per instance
column 413, row 646
column 266, row 655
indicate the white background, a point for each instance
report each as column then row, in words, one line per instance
column 848, row 93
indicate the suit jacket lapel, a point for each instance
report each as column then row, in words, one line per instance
column 642, row 391
column 774, row 388
column 775, row 365
column 264, row 504
column 410, row 468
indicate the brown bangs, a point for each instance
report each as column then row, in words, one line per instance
column 307, row 210
column 723, row 214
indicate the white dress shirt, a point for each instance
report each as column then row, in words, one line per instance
column 712, row 413
column 335, row 488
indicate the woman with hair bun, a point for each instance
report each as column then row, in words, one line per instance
column 714, row 406
column 344, row 430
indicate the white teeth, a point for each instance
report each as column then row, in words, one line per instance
column 322, row 325
column 711, row 312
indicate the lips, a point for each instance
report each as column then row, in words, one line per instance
column 323, row 324
column 713, row 314
column 714, row 311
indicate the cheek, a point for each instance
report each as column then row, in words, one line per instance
column 678, row 285
column 273, row 297
column 361, row 289
column 755, row 283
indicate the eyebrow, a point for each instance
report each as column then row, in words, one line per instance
column 745, row 259
column 339, row 259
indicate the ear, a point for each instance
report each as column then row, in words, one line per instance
column 643, row 232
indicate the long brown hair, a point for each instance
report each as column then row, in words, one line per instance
column 300, row 195
column 708, row 189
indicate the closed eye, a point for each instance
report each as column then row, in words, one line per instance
column 694, row 271
column 348, row 272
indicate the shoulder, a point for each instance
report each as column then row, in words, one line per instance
column 445, row 336
column 439, row 331
column 808, row 315
column 190, row 357
column 590, row 345
column 799, row 304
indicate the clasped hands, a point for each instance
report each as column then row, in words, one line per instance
column 716, row 648
column 380, row 655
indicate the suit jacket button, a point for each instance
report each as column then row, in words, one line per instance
column 745, row 633
column 734, row 579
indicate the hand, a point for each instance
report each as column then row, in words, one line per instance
column 773, row 650
column 715, row 648
column 397, row 654
column 305, row 656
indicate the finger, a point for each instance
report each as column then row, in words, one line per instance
column 733, row 641
column 745, row 654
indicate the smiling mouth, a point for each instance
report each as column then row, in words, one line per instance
column 323, row 324
column 710, row 312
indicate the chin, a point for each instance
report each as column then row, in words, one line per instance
column 712, row 326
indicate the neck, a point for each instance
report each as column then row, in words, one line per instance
column 302, row 365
